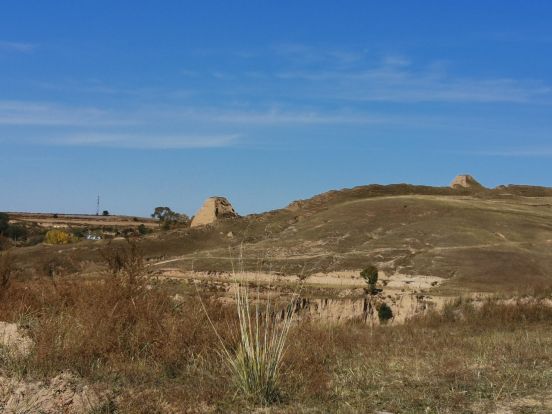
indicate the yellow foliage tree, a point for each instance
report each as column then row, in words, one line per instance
column 58, row 237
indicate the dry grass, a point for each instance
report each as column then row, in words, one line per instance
column 124, row 330
column 120, row 329
column 6, row 271
column 465, row 360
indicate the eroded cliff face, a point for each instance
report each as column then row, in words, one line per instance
column 365, row 309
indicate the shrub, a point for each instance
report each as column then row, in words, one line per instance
column 142, row 229
column 6, row 271
column 79, row 232
column 16, row 232
column 370, row 275
column 34, row 240
column 168, row 218
column 4, row 223
column 58, row 237
column 385, row 313
column 126, row 264
column 5, row 243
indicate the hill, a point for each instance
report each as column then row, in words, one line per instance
column 478, row 239
column 432, row 245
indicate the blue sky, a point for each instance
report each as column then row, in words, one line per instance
column 165, row 103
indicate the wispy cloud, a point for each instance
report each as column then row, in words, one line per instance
column 157, row 127
column 528, row 152
column 302, row 54
column 517, row 36
column 275, row 117
column 23, row 113
column 330, row 74
column 337, row 92
column 20, row 113
column 20, row 47
column 145, row 141
column 395, row 80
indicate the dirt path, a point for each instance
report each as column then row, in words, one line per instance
column 504, row 243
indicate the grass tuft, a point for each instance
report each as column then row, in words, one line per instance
column 256, row 360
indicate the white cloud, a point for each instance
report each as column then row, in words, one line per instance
column 17, row 46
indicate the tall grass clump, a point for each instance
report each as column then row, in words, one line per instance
column 256, row 359
column 6, row 271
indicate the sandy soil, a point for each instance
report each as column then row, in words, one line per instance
column 62, row 394
column 15, row 341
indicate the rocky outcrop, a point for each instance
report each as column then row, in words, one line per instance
column 213, row 209
column 465, row 181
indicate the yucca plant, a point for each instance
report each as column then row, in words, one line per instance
column 261, row 342
column 257, row 360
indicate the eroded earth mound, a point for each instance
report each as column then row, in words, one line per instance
column 213, row 209
column 465, row 181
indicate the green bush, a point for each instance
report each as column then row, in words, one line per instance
column 5, row 243
column 17, row 232
column 4, row 223
column 385, row 313
column 370, row 275
column 79, row 232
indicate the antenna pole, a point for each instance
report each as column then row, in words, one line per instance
column 98, row 206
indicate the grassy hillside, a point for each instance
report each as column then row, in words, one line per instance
column 483, row 241
column 479, row 240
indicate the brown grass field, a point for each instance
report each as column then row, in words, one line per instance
column 158, row 356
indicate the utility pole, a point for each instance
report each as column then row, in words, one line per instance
column 98, row 206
